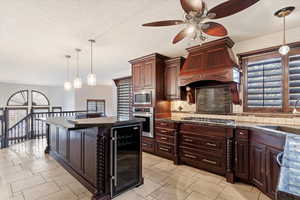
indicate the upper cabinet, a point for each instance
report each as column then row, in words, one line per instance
column 172, row 70
column 147, row 72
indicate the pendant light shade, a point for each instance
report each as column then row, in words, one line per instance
column 282, row 13
column 91, row 78
column 77, row 81
column 68, row 84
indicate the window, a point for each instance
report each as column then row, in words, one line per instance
column 39, row 99
column 271, row 81
column 96, row 106
column 124, row 95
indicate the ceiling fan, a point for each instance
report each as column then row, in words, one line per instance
column 196, row 13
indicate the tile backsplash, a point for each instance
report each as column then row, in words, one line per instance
column 190, row 111
column 192, row 108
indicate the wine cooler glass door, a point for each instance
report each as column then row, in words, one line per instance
column 126, row 158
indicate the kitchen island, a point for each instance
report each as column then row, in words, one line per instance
column 104, row 154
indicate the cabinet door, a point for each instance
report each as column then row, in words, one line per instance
column 258, row 165
column 147, row 74
column 53, row 138
column 136, row 74
column 242, row 159
column 172, row 91
column 90, row 155
column 273, row 170
column 76, row 150
column 63, row 142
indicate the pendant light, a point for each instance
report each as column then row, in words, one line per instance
column 91, row 78
column 282, row 13
column 68, row 84
column 77, row 80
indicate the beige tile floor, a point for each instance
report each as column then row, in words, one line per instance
column 26, row 173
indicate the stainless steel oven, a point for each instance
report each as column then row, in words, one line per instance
column 145, row 113
column 142, row 98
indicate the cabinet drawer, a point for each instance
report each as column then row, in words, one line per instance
column 164, row 139
column 242, row 134
column 165, row 150
column 162, row 124
column 203, row 130
column 164, row 132
column 148, row 146
column 203, row 161
column 203, row 143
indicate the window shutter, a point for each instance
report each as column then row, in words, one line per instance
column 265, row 83
column 294, row 79
column 124, row 94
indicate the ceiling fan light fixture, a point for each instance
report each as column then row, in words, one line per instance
column 191, row 29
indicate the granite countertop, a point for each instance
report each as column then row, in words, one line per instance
column 72, row 123
column 273, row 129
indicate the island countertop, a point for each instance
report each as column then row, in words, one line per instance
column 73, row 123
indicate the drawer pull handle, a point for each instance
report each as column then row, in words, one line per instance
column 211, row 144
column 209, row 161
column 241, row 133
column 164, row 149
column 163, row 138
column 190, row 156
column 163, row 124
column 188, row 140
column 164, row 131
column 145, row 144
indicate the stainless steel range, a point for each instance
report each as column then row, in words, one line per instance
column 210, row 120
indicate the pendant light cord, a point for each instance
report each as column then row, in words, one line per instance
column 91, row 56
column 77, row 60
column 284, row 29
column 68, row 69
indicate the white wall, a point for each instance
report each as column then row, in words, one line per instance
column 54, row 94
column 97, row 92
column 274, row 39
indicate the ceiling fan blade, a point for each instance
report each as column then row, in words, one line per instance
column 181, row 35
column 165, row 23
column 192, row 5
column 231, row 7
column 214, row 29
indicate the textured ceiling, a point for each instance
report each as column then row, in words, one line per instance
column 36, row 34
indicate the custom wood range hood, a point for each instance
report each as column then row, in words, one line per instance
column 212, row 62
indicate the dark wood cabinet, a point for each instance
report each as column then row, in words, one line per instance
column 90, row 155
column 148, row 145
column 172, row 70
column 241, row 154
column 143, row 74
column 203, row 147
column 75, row 157
column 165, row 139
column 148, row 74
column 136, row 76
column 273, row 170
column 258, row 165
column 62, row 144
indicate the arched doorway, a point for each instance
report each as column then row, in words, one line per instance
column 23, row 102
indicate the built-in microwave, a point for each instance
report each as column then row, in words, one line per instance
column 142, row 98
